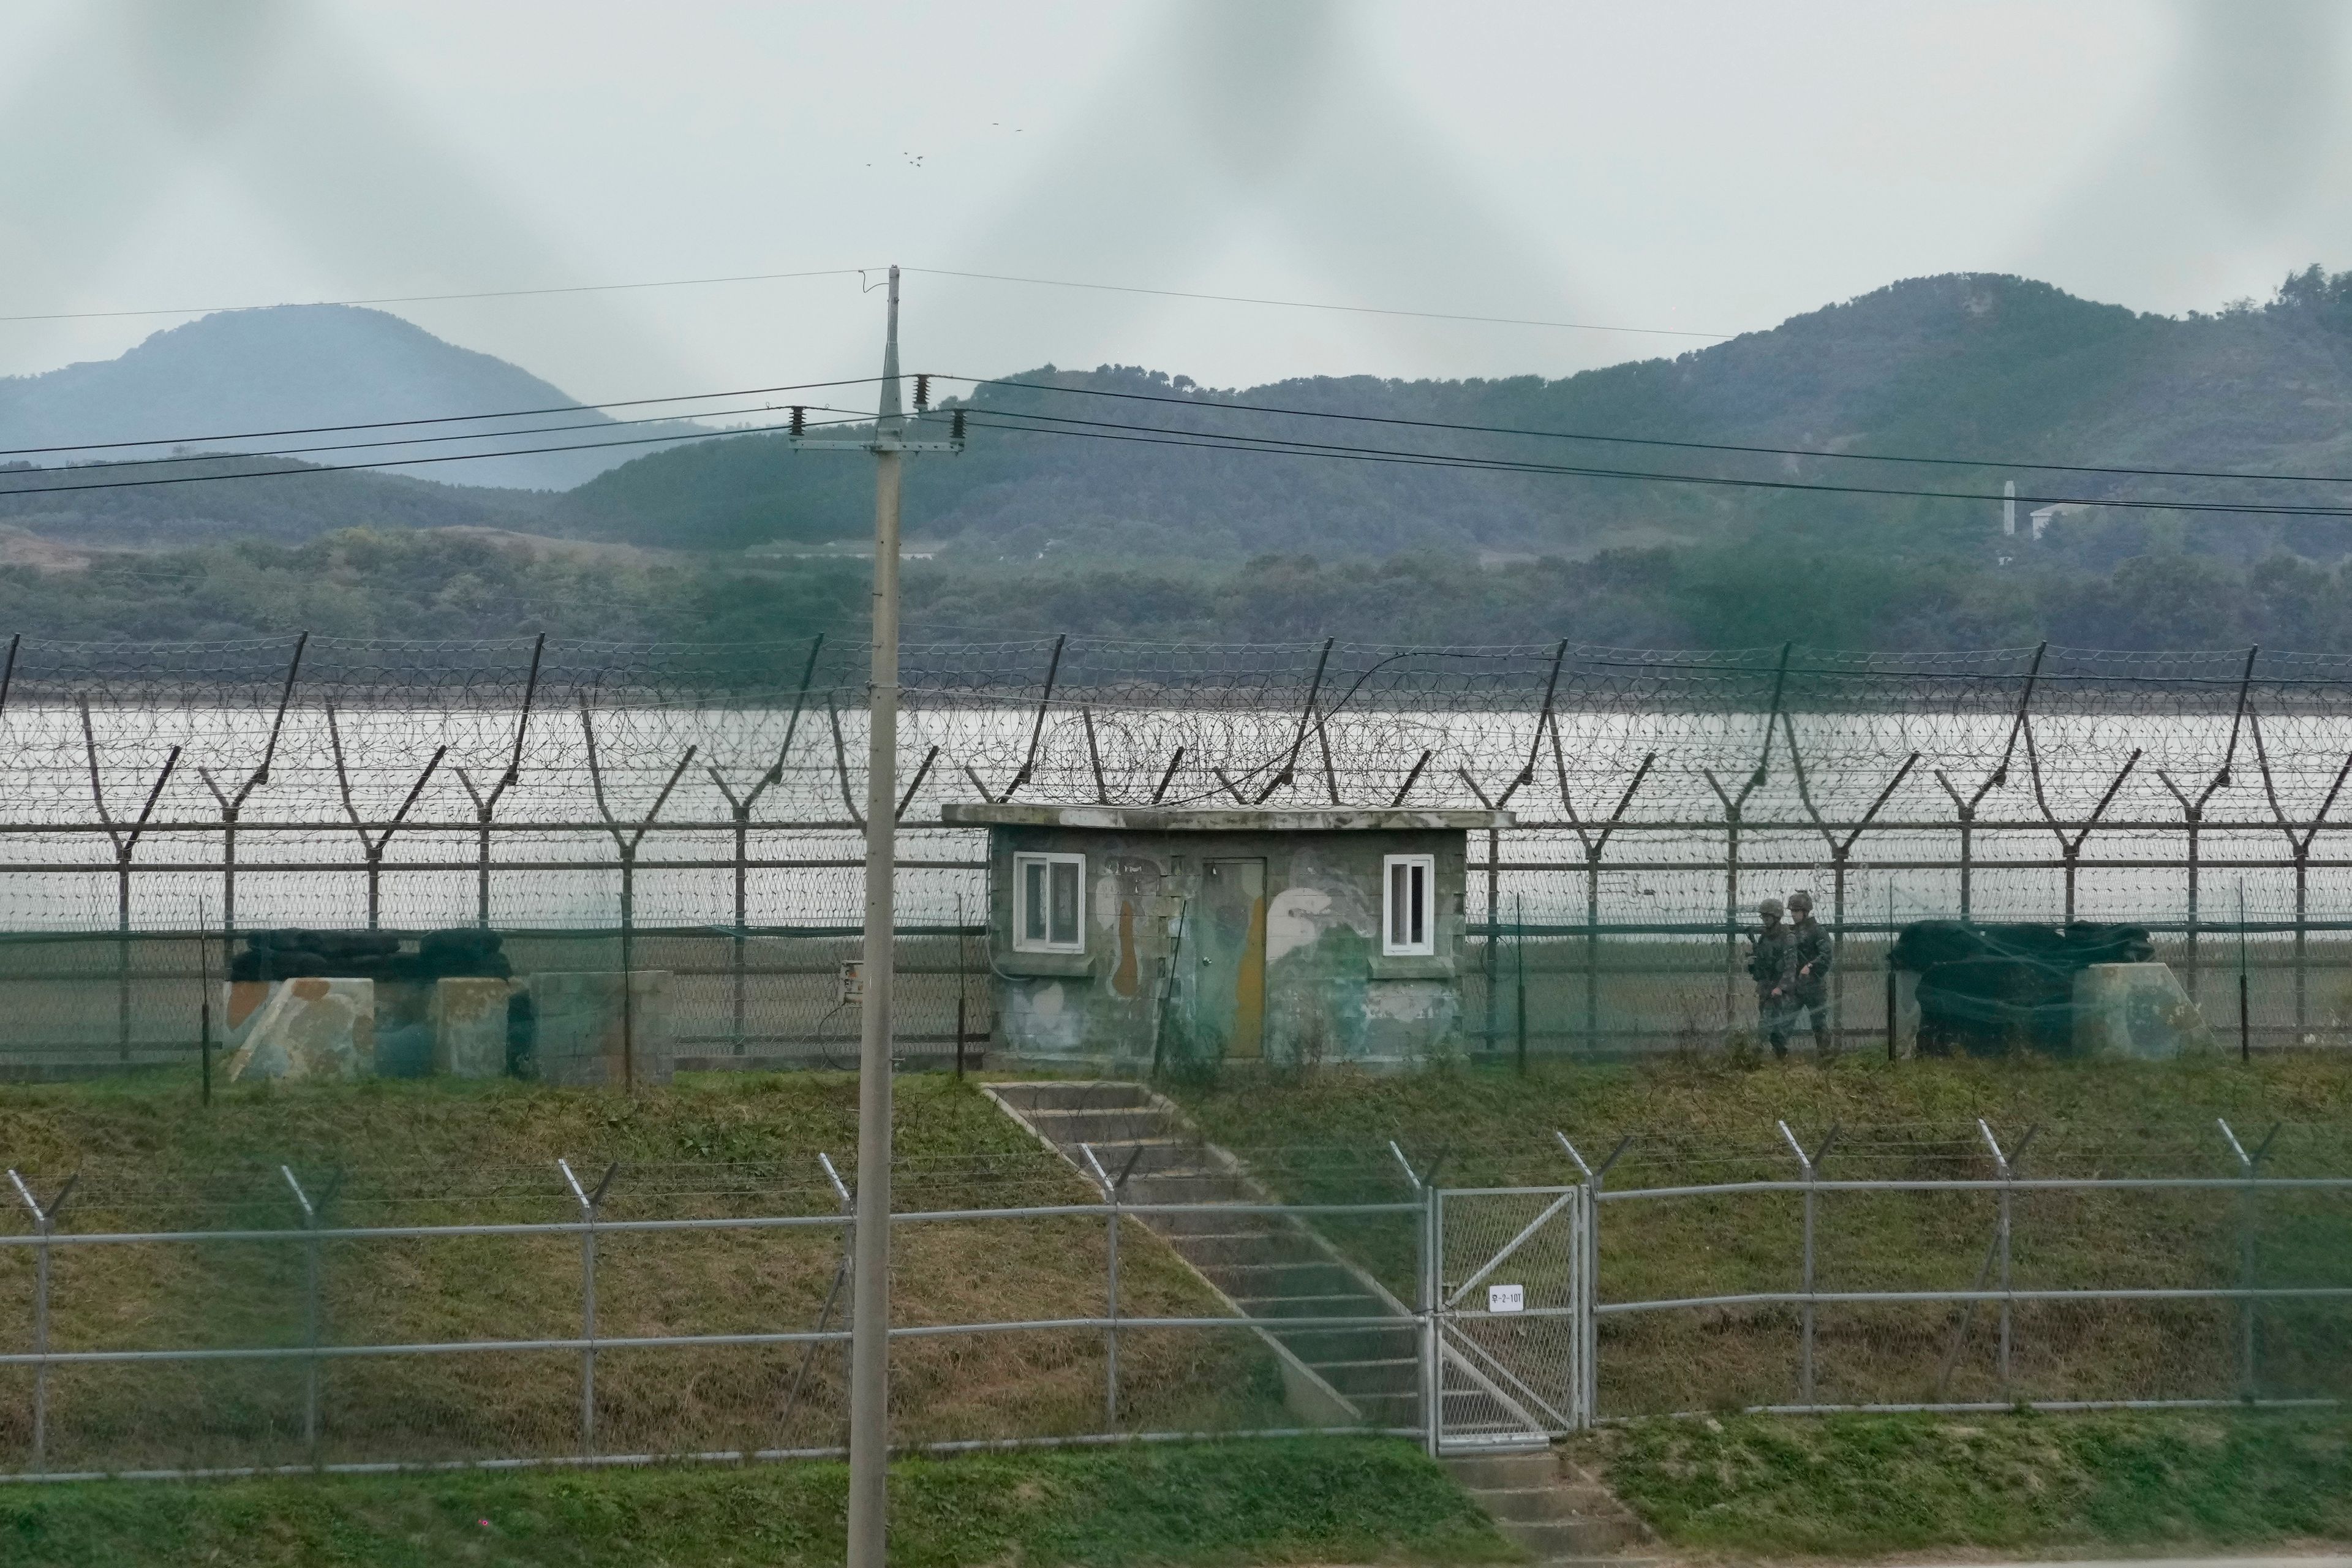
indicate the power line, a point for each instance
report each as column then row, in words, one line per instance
column 1049, row 424
column 691, row 432
column 1320, row 305
column 45, row 490
column 859, row 273
column 433, row 420
column 1655, row 441
column 1109, row 430
column 427, row 299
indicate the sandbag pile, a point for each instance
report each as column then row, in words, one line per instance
column 1986, row 990
column 457, row 952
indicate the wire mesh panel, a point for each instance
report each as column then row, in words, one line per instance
column 1975, row 1293
column 1510, row 1315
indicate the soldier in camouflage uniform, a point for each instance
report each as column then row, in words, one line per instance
column 1772, row 963
column 1809, row 940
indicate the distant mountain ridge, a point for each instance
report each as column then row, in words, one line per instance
column 1980, row 367
column 1997, row 371
column 303, row 366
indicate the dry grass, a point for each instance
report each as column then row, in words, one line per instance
column 430, row 1153
column 1710, row 1121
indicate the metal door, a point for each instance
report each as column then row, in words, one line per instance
column 1510, row 1325
column 1226, row 976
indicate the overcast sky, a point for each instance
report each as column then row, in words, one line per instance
column 1692, row 167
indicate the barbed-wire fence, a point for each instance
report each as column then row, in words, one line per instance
column 711, row 796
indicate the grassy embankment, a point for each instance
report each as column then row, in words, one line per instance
column 1712, row 1121
column 435, row 1152
column 1336, row 1499
column 1853, row 1485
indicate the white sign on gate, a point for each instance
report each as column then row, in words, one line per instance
column 1507, row 1298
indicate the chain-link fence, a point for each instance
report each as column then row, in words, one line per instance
column 590, row 1315
column 1886, row 1269
column 276, row 1318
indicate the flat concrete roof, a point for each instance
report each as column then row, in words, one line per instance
column 1236, row 819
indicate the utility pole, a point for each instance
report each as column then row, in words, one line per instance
column 869, row 1328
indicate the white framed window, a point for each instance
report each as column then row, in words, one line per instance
column 1408, row 910
column 1049, row 903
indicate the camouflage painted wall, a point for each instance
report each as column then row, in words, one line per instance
column 1226, row 935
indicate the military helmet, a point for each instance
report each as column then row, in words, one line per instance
column 1802, row 902
column 1769, row 909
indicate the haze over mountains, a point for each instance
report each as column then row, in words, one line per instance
column 303, row 366
column 1995, row 368
column 1071, row 494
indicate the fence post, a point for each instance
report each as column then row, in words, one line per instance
column 833, row 1293
column 2301, row 845
column 205, row 1006
column 40, row 1341
column 2302, row 934
column 45, row 1224
column 1730, row 886
column 1426, row 1293
column 2250, row 1166
column 1593, row 948
column 2245, row 1026
column 1588, row 1289
column 1811, row 1165
column 310, row 1314
column 1894, row 997
column 628, row 966
column 486, row 804
column 1837, row 951
column 1431, row 1353
column 1111, row 1188
column 126, row 845
column 1967, row 835
column 2195, row 967
column 588, row 1202
column 1110, row 1276
column 1520, row 946
column 1596, row 844
column 740, row 808
column 1965, row 813
column 1494, row 925
column 963, row 985
column 626, row 844
column 2005, row 1166
column 1730, row 913
column 742, row 912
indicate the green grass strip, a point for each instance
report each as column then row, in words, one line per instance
column 1860, row 1485
column 1309, row 1500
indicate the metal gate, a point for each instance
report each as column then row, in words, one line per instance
column 1508, row 1337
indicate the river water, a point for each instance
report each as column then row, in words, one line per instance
column 303, row 861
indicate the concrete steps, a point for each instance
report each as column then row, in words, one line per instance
column 1268, row 1268
column 1559, row 1514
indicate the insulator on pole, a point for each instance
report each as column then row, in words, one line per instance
column 922, row 394
column 956, row 429
column 800, row 419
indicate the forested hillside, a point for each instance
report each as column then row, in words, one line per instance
column 454, row 584
column 2001, row 369
column 272, row 499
